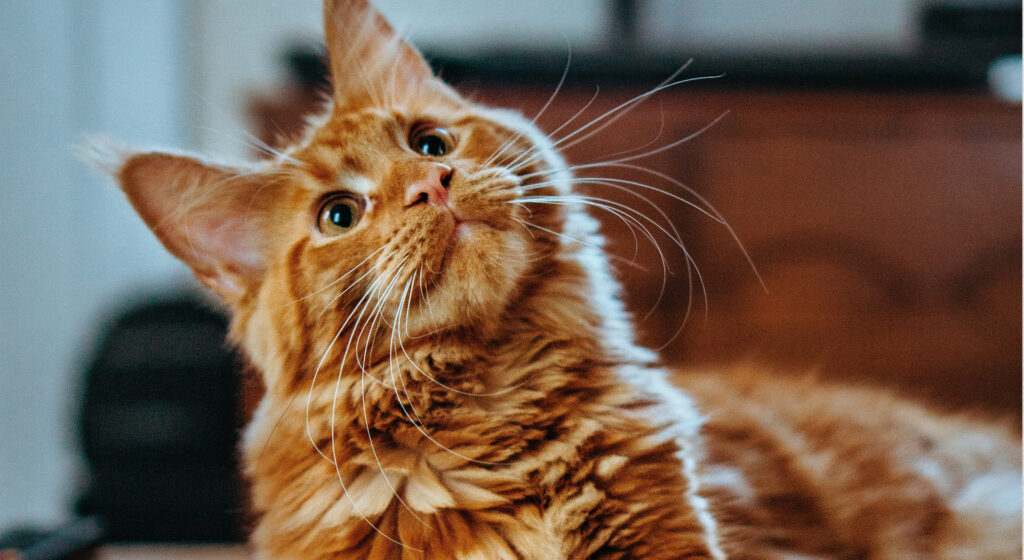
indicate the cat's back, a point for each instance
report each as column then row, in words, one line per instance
column 796, row 466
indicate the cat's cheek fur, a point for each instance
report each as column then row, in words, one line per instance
column 253, row 328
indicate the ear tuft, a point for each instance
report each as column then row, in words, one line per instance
column 102, row 153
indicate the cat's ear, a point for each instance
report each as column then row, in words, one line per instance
column 370, row 63
column 208, row 216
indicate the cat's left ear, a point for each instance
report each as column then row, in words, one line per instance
column 371, row 64
column 211, row 217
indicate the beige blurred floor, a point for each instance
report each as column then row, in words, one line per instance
column 174, row 552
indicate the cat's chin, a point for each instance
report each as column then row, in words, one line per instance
column 465, row 229
column 479, row 275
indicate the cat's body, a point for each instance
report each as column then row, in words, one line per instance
column 449, row 372
column 796, row 468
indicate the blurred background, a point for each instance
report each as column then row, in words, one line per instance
column 869, row 161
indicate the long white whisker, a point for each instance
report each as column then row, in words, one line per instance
column 634, row 157
column 620, row 182
column 622, row 109
column 716, row 214
column 505, row 145
column 320, row 363
column 615, row 208
column 376, row 313
column 533, row 150
column 342, row 277
column 624, row 211
column 627, row 262
column 254, row 141
column 353, row 336
column 355, row 283
column 434, row 380
column 418, row 422
column 710, row 210
column 334, row 454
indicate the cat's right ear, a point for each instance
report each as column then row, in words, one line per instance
column 370, row 63
column 209, row 216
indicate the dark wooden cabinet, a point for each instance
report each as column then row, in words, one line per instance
column 886, row 228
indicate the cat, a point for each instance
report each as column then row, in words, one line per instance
column 449, row 372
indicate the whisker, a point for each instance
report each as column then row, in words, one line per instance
column 622, row 110
column 624, row 211
column 711, row 211
column 597, row 90
column 418, row 421
column 254, row 141
column 615, row 208
column 439, row 383
column 505, row 145
column 376, row 313
column 533, row 150
column 625, row 108
column 613, row 256
column 334, row 453
column 629, row 221
column 624, row 182
column 334, row 449
column 342, row 277
column 634, row 157
column 363, row 300
column 671, row 145
column 354, row 283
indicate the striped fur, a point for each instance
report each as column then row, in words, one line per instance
column 464, row 384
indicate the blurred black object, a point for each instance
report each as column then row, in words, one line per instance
column 76, row 540
column 159, row 426
column 307, row 66
column 983, row 31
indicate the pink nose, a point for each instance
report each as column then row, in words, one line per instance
column 432, row 189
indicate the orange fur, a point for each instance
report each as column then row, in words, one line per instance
column 462, row 382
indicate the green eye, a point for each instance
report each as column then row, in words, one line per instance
column 339, row 214
column 431, row 141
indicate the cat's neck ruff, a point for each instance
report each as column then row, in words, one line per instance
column 456, row 425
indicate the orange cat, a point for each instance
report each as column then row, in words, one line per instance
column 449, row 373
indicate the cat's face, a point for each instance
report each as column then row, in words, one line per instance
column 400, row 211
column 413, row 209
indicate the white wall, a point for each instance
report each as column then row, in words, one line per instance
column 810, row 26
column 69, row 243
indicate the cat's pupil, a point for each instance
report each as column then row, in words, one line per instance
column 430, row 145
column 340, row 215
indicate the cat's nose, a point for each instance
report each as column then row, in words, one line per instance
column 432, row 188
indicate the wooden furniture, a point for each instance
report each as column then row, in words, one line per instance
column 886, row 228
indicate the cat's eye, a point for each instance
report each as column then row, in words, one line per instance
column 339, row 214
column 431, row 141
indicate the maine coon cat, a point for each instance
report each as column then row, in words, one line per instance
column 449, row 373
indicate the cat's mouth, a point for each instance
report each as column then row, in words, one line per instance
column 470, row 233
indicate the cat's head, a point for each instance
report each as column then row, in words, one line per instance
column 403, row 202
